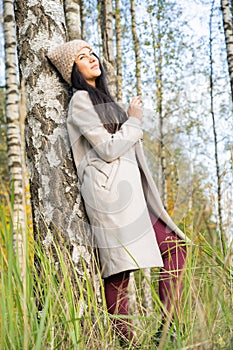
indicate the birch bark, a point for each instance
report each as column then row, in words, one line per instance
column 56, row 203
column 107, row 41
column 15, row 158
column 136, row 48
column 118, row 50
column 72, row 13
column 82, row 20
column 158, row 68
column 228, row 30
column 216, row 156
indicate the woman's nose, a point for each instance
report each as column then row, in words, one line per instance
column 92, row 58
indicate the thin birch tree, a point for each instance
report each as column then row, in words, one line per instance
column 216, row 156
column 118, row 50
column 3, row 152
column 82, row 20
column 106, row 25
column 99, row 26
column 136, row 46
column 15, row 157
column 158, row 67
column 73, row 19
column 15, row 152
column 228, row 31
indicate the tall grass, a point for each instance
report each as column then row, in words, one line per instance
column 54, row 307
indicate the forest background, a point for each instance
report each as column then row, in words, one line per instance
column 174, row 54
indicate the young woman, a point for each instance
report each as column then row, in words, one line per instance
column 129, row 224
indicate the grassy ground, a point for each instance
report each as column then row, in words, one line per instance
column 55, row 308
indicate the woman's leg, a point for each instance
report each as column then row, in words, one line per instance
column 115, row 288
column 173, row 252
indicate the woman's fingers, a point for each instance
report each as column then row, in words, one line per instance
column 136, row 101
column 135, row 108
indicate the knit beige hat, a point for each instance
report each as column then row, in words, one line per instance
column 63, row 56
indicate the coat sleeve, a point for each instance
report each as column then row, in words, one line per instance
column 84, row 120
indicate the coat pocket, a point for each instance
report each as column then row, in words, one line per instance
column 109, row 170
column 112, row 173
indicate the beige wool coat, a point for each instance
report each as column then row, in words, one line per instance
column 117, row 189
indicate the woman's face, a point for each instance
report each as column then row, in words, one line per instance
column 88, row 65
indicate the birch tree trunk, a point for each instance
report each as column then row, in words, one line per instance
column 56, row 204
column 118, row 50
column 73, row 22
column 218, row 175
column 82, row 19
column 99, row 25
column 15, row 157
column 228, row 30
column 107, row 41
column 4, row 171
column 136, row 48
column 159, row 93
column 158, row 67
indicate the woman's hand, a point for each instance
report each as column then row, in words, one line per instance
column 135, row 108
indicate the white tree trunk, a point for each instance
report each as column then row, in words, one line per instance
column 73, row 21
column 15, row 158
column 118, row 50
column 108, row 33
column 133, row 305
column 107, row 40
column 82, row 20
column 56, row 203
column 147, row 296
column 136, row 45
column 228, row 30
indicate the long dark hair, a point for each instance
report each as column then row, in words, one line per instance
column 110, row 113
